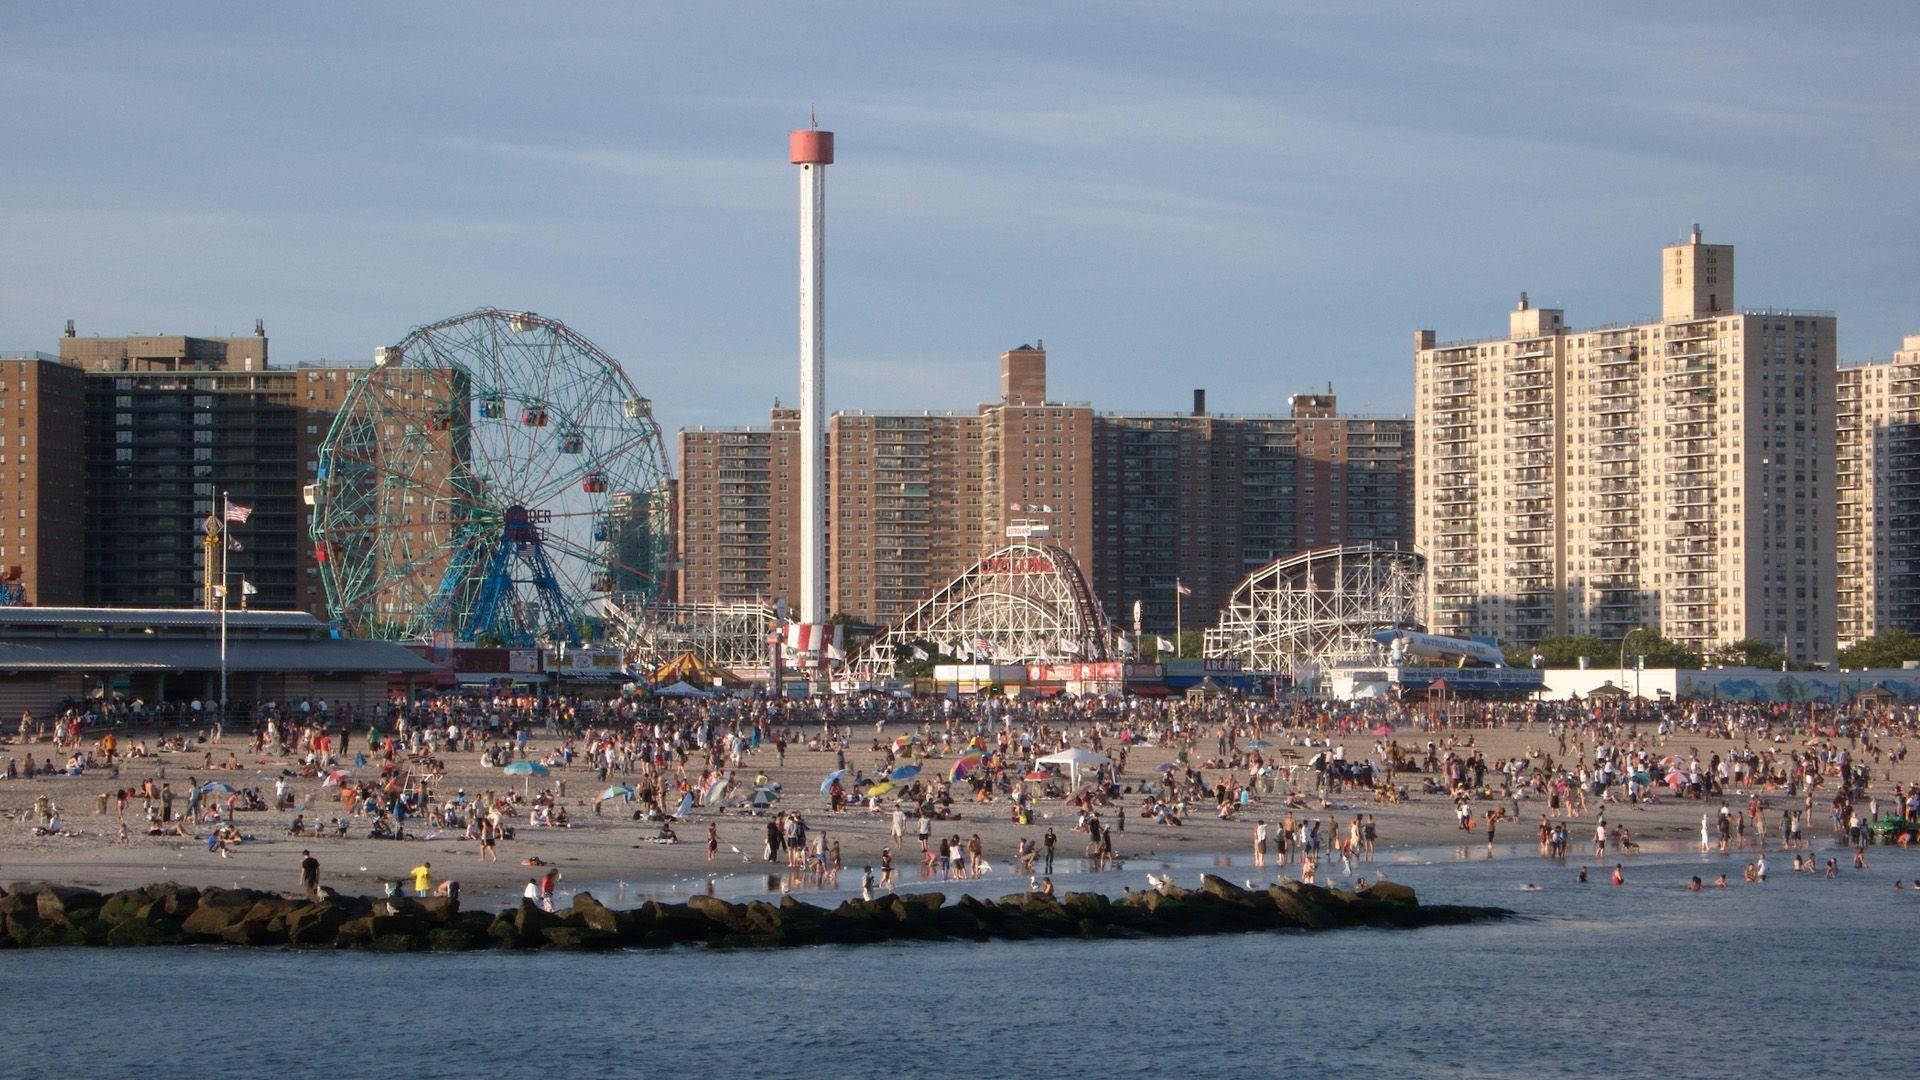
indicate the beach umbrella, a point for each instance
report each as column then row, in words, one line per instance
column 906, row 772
column 905, row 741
column 963, row 766
column 219, row 787
column 1257, row 744
column 617, row 791
column 1039, row 774
column 527, row 769
column 827, row 783
column 879, row 789
column 335, row 778
column 714, row 792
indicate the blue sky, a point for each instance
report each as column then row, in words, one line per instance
column 1257, row 199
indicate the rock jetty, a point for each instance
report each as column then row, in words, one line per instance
column 38, row 915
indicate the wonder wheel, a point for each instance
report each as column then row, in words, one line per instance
column 493, row 478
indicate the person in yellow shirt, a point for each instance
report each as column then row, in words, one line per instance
column 422, row 879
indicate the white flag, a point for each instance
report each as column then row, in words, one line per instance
column 1163, row 643
column 247, row 588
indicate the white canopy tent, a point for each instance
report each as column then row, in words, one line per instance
column 1073, row 757
column 682, row 689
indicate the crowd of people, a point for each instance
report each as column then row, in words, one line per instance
column 1310, row 775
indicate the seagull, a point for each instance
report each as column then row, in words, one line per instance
column 1159, row 883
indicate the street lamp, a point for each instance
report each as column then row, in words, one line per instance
column 1638, row 659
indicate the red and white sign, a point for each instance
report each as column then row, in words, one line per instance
column 812, row 637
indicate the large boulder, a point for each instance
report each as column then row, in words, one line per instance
column 64, row 904
column 314, row 924
column 122, row 906
column 579, row 938
column 728, row 917
column 209, row 922
column 1390, row 892
column 439, row 910
column 144, row 933
column 529, row 922
column 595, row 915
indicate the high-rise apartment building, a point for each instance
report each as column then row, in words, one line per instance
column 172, row 423
column 737, row 518
column 913, row 498
column 42, row 482
column 1877, row 495
column 907, row 507
column 916, row 497
column 1676, row 474
column 1035, row 461
column 1204, row 500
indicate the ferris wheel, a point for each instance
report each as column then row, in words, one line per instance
column 495, row 478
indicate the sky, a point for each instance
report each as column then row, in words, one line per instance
column 1257, row 199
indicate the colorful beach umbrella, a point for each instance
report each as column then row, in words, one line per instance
column 525, row 768
column 1257, row 744
column 879, row 789
column 1166, row 767
column 905, row 772
column 220, row 787
column 963, row 766
column 715, row 791
column 336, row 778
column 1039, row 774
column 617, row 791
column 826, row 784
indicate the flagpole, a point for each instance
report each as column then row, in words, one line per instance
column 1178, row 623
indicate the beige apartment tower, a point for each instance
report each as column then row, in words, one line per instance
column 1877, row 495
column 1676, row 475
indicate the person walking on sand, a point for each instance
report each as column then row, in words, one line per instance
column 310, row 875
column 489, row 839
column 1260, row 842
column 1046, row 843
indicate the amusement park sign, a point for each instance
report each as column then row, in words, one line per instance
column 1017, row 564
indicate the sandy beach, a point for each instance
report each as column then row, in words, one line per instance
column 599, row 849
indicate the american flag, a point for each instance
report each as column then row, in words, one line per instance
column 1177, row 587
column 238, row 514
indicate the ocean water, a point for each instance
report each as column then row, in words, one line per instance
column 1801, row 976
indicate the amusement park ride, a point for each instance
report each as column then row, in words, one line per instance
column 493, row 478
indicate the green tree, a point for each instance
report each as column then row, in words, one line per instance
column 1886, row 649
column 1659, row 650
column 1192, row 642
column 916, row 661
column 1565, row 651
column 1749, row 652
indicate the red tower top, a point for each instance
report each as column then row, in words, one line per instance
column 810, row 147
